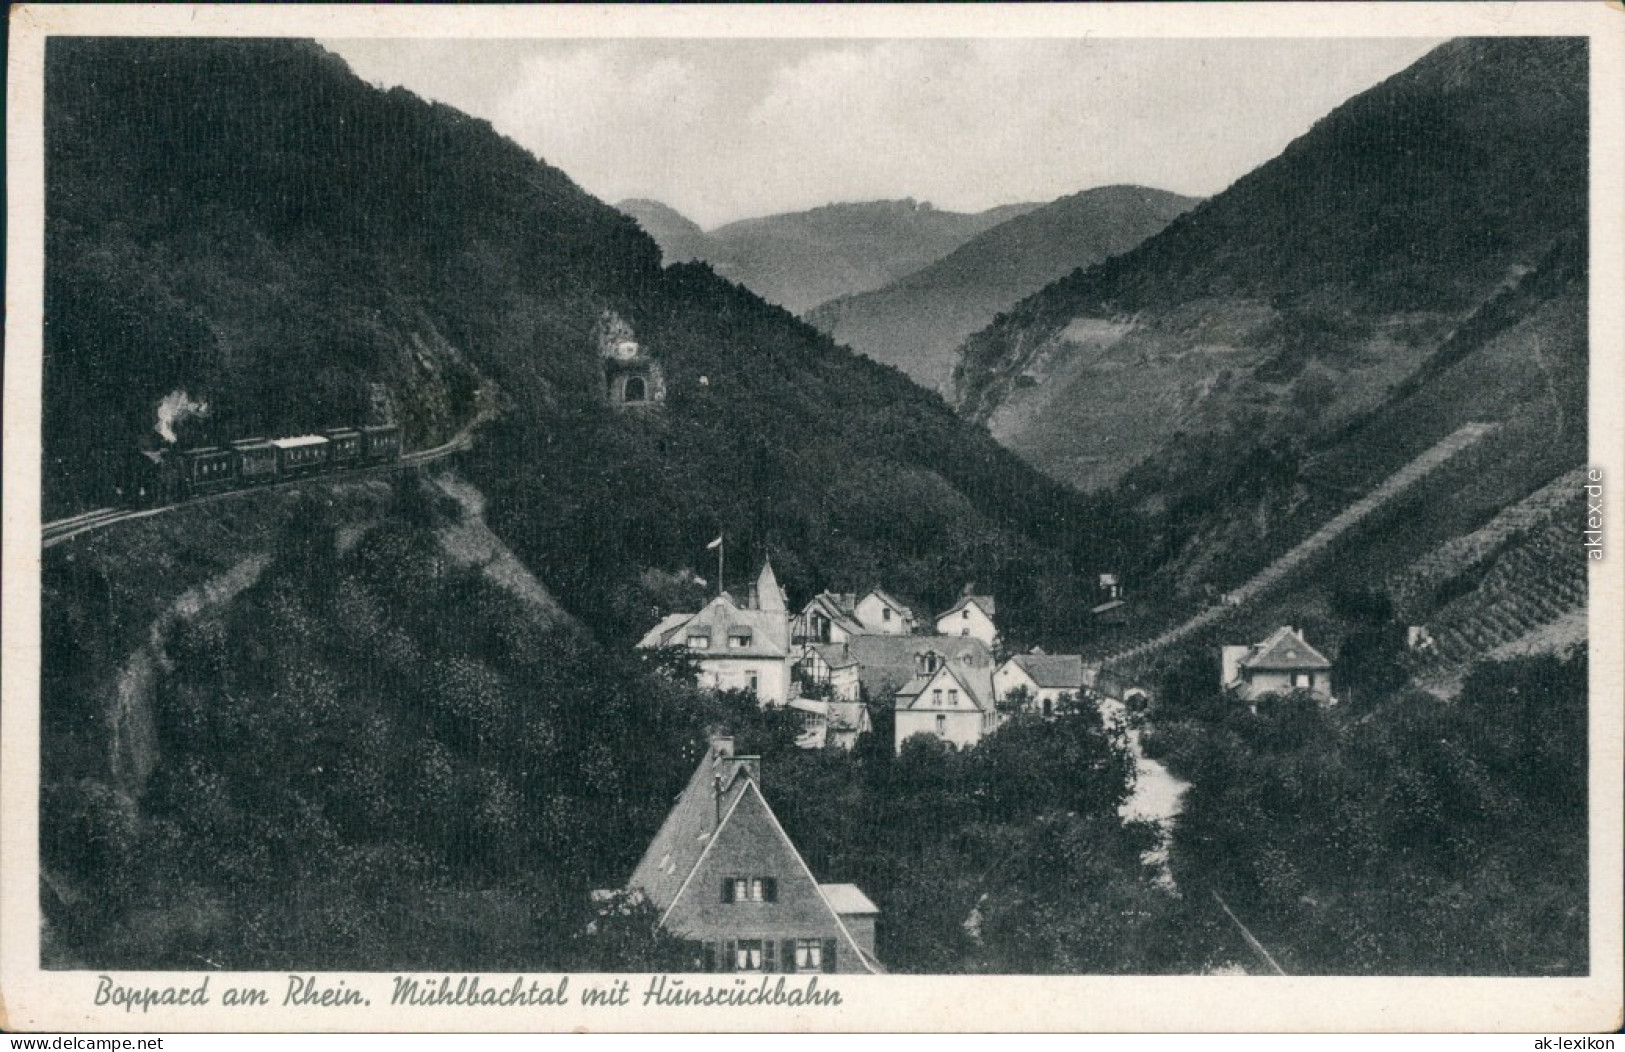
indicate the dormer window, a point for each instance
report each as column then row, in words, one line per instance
column 738, row 640
column 699, row 642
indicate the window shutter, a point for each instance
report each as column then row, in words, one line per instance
column 729, row 952
column 789, row 953
column 829, row 955
column 768, row 948
column 770, row 889
column 727, row 890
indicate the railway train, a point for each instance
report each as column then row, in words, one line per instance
column 178, row 474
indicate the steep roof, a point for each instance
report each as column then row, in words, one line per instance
column 1286, row 649
column 682, row 839
column 887, row 662
column 890, row 600
column 832, row 607
column 835, row 655
column 769, row 631
column 983, row 601
column 699, row 820
column 769, row 596
column 663, row 634
column 1052, row 671
column 979, row 692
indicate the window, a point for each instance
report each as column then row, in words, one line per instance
column 942, row 725
column 699, row 642
column 750, row 889
column 964, row 615
column 635, row 390
column 953, row 697
column 748, row 956
column 751, row 683
column 936, row 699
column 809, row 955
column 738, row 640
column 1302, row 679
column 964, row 631
column 885, row 613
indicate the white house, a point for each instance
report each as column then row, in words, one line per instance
column 1046, row 678
column 881, row 614
column 972, row 616
column 1282, row 663
column 828, row 617
column 943, row 704
column 738, row 647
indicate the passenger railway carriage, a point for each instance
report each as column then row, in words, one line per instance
column 161, row 475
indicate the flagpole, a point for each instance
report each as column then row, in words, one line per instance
column 721, row 546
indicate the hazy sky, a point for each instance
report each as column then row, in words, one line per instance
column 725, row 129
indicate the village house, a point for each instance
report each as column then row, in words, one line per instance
column 828, row 617
column 1047, row 678
column 886, row 663
column 945, row 705
column 738, row 647
column 1282, row 663
column 725, row 876
column 972, row 616
column 881, row 614
column 829, row 670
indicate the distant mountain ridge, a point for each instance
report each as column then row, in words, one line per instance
column 801, row 259
column 917, row 322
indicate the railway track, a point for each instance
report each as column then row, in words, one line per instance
column 54, row 533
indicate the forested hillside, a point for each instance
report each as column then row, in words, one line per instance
column 1413, row 264
column 917, row 322
column 368, row 724
column 249, row 223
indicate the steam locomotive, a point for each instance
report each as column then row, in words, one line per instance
column 179, row 474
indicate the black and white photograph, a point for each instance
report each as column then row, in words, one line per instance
column 786, row 511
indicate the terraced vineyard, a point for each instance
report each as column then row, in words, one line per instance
column 1317, row 542
column 1413, row 588
column 1533, row 586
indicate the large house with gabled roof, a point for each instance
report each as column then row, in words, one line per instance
column 947, row 705
column 737, row 646
column 828, row 617
column 1280, row 664
column 726, row 877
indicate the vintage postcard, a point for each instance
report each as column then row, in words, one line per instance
column 814, row 518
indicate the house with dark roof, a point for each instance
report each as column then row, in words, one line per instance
column 725, row 876
column 883, row 614
column 737, row 646
column 886, row 663
column 945, row 705
column 1046, row 678
column 828, row 617
column 973, row 616
column 828, row 670
column 1282, row 663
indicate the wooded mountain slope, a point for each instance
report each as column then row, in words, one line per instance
column 1303, row 296
column 917, row 322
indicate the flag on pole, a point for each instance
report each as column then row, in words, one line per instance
column 714, row 544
